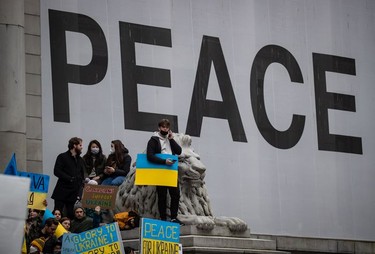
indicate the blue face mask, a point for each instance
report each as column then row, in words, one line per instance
column 95, row 150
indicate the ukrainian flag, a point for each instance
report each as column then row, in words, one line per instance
column 60, row 230
column 38, row 189
column 148, row 173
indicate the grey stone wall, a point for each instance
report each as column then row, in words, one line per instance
column 33, row 87
column 297, row 245
column 20, row 84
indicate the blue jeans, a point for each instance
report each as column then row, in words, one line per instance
column 117, row 181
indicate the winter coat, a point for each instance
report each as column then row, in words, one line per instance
column 154, row 147
column 99, row 165
column 121, row 168
column 69, row 171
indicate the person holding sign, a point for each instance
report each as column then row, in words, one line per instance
column 69, row 169
column 162, row 142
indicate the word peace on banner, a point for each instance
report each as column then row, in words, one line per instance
column 105, row 239
column 159, row 237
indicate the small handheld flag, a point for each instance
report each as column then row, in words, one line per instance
column 11, row 168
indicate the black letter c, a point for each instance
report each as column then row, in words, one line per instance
column 266, row 56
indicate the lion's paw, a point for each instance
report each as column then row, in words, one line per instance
column 205, row 223
column 234, row 224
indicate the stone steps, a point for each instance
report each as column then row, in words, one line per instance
column 211, row 250
column 226, row 242
column 218, row 240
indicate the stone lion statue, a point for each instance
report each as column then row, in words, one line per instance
column 194, row 208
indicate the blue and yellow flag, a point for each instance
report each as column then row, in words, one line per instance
column 38, row 185
column 11, row 168
column 38, row 189
column 60, row 230
column 148, row 173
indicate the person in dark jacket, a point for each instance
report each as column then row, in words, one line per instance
column 94, row 162
column 118, row 164
column 69, row 168
column 45, row 239
column 80, row 222
column 162, row 142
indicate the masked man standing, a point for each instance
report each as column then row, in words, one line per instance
column 162, row 142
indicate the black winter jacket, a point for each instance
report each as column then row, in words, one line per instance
column 69, row 171
column 154, row 147
column 121, row 168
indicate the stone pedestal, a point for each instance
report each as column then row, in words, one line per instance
column 218, row 240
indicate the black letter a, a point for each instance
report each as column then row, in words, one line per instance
column 227, row 109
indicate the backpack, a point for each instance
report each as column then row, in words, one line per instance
column 127, row 220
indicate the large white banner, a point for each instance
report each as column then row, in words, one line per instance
column 277, row 95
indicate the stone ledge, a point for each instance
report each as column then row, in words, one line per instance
column 205, row 250
column 227, row 242
column 216, row 231
column 220, row 245
column 321, row 245
column 218, row 240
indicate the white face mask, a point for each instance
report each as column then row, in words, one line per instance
column 95, row 150
column 111, row 151
column 33, row 249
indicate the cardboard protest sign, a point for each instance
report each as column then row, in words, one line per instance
column 104, row 239
column 38, row 189
column 159, row 237
column 148, row 173
column 12, row 212
column 99, row 195
column 38, row 186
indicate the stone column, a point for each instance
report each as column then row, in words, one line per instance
column 12, row 83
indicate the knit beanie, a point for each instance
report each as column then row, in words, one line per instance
column 38, row 243
column 77, row 205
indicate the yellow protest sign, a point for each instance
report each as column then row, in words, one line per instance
column 158, row 237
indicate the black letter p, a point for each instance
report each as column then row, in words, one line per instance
column 64, row 73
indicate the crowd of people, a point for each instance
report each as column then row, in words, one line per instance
column 73, row 171
column 94, row 167
column 40, row 237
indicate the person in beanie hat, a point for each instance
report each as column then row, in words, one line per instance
column 48, row 232
column 37, row 245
